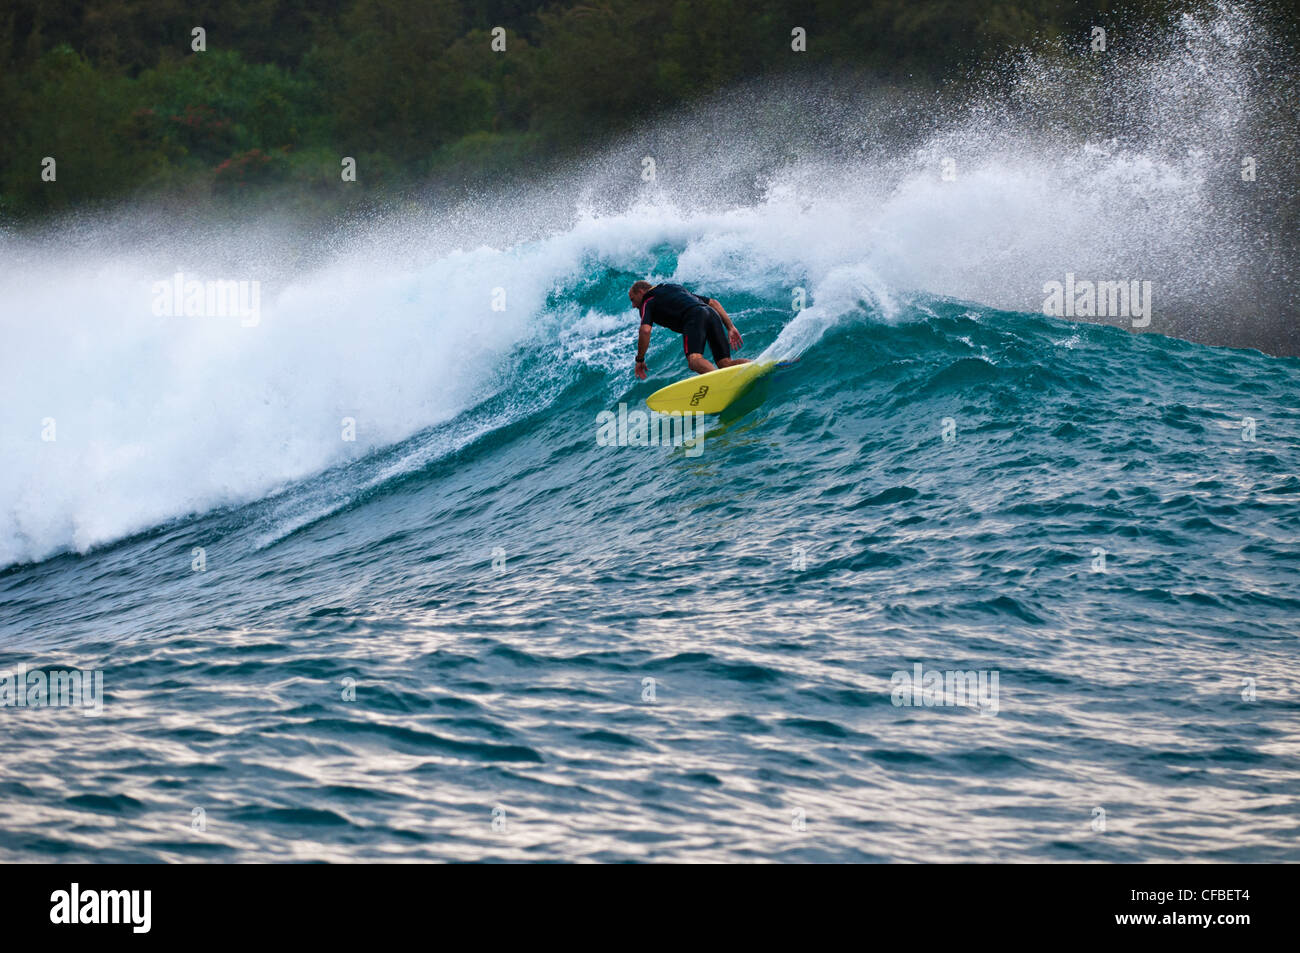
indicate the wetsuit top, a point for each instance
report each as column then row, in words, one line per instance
column 668, row 305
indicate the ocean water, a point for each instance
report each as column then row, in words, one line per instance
column 476, row 632
column 499, row 587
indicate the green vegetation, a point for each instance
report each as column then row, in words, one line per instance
column 113, row 91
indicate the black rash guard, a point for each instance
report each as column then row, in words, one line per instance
column 687, row 314
column 668, row 306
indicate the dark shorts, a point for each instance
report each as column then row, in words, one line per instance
column 703, row 324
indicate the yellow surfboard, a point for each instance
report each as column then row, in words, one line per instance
column 709, row 393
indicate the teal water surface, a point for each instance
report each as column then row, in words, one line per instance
column 501, row 640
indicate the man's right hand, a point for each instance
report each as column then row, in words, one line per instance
column 641, row 370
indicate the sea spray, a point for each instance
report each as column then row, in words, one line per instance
column 1123, row 167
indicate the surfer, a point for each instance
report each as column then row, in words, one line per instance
column 695, row 318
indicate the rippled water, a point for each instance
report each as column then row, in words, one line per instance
column 1095, row 530
column 475, row 632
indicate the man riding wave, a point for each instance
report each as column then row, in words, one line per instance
column 697, row 319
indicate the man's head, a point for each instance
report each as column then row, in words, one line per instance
column 636, row 294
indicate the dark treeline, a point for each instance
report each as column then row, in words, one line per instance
column 114, row 92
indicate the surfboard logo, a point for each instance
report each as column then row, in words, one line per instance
column 699, row 395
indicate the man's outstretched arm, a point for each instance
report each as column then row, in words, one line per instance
column 642, row 345
column 732, row 334
column 716, row 305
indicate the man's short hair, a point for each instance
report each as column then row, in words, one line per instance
column 639, row 286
